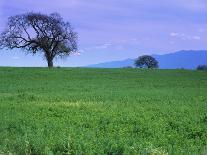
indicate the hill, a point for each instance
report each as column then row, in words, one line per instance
column 102, row 111
column 181, row 59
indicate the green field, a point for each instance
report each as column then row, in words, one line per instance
column 102, row 111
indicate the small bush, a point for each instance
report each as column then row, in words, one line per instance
column 202, row 67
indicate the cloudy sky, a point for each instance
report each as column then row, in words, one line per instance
column 116, row 29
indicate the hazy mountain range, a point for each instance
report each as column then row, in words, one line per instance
column 188, row 59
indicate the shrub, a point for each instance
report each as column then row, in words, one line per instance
column 202, row 67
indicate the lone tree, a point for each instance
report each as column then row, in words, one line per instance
column 36, row 32
column 202, row 67
column 146, row 61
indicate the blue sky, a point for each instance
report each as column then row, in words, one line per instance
column 116, row 29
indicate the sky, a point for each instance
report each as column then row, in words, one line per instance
column 111, row 30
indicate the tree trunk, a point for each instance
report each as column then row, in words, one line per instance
column 50, row 63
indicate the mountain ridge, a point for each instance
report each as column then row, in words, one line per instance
column 187, row 59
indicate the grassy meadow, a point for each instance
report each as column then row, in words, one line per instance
column 102, row 111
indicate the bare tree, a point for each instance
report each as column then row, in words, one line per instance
column 36, row 32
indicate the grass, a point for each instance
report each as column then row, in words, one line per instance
column 102, row 111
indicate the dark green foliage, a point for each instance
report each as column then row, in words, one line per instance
column 146, row 61
column 102, row 111
column 202, row 67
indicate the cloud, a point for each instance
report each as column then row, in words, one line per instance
column 184, row 36
column 103, row 46
column 15, row 58
column 82, row 51
column 197, row 37
column 174, row 34
column 77, row 54
column 120, row 45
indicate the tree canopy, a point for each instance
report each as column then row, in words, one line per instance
column 146, row 61
column 36, row 32
column 202, row 67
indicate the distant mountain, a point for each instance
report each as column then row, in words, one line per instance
column 188, row 59
column 114, row 64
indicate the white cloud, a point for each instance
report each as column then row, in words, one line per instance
column 79, row 53
column 197, row 37
column 81, row 50
column 15, row 58
column 104, row 46
column 174, row 34
column 184, row 36
column 76, row 54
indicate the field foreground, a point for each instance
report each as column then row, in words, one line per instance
column 102, row 111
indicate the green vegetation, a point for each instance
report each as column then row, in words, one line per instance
column 202, row 67
column 102, row 111
column 146, row 61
